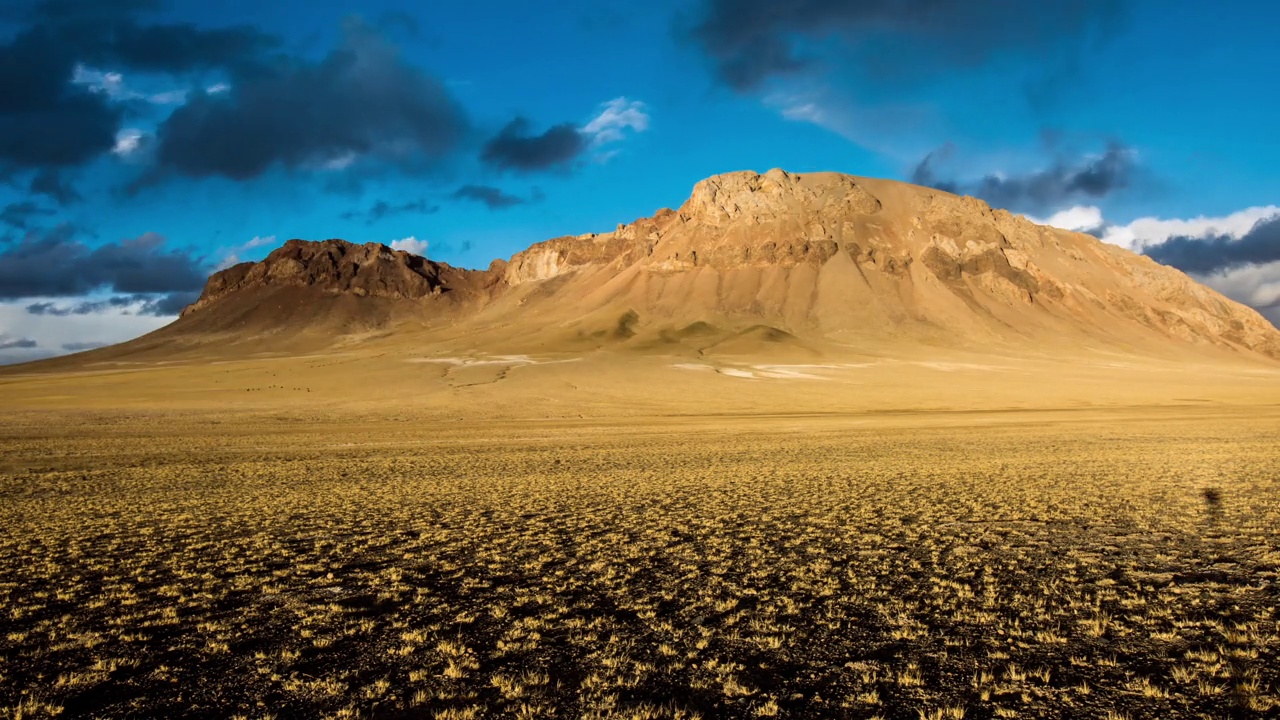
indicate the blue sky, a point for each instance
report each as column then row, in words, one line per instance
column 146, row 143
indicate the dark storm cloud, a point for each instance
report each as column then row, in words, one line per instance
column 750, row 41
column 54, row 185
column 925, row 172
column 1221, row 252
column 362, row 100
column 169, row 304
column 87, row 307
column 493, row 198
column 1066, row 181
column 47, row 121
column 54, row 264
column 82, row 346
column 141, row 304
column 48, row 308
column 1271, row 313
column 20, row 214
column 84, row 10
column 383, row 209
column 516, row 148
column 110, row 33
column 8, row 343
column 182, row 48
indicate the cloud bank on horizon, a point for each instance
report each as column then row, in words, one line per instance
column 145, row 143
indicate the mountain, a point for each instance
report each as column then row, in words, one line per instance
column 858, row 261
column 776, row 264
column 333, row 286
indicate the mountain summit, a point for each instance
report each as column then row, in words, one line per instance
column 820, row 260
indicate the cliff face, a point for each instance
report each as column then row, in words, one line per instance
column 832, row 256
column 335, row 267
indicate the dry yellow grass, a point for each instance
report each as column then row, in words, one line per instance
column 290, row 562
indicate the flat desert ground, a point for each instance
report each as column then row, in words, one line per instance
column 388, row 533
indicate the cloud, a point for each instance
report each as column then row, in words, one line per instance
column 59, row 105
column 1201, row 246
column 493, row 198
column 360, row 101
column 1216, row 253
column 1146, row 231
column 1081, row 218
column 925, row 172
column 128, row 141
column 410, row 245
column 46, row 121
column 55, row 264
column 98, row 81
column 82, row 346
column 19, row 214
column 516, row 148
column 1237, row 254
column 54, row 185
column 110, row 34
column 179, row 48
column 1091, row 177
column 1255, row 285
column 615, row 117
column 14, row 343
column 114, row 85
column 232, row 256
column 259, row 241
column 51, row 332
column 383, row 209
column 750, row 42
column 158, row 305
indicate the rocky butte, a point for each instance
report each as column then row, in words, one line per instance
column 823, row 260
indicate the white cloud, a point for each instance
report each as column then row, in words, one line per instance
column 127, row 142
column 410, row 245
column 801, row 108
column 114, row 86
column 339, row 162
column 170, row 97
column 889, row 129
column 1257, row 286
column 53, row 334
column 233, row 255
column 605, row 156
column 259, row 241
column 615, row 117
column 1078, row 218
column 111, row 83
column 1254, row 285
column 1148, row 231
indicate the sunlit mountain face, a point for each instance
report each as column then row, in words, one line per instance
column 146, row 144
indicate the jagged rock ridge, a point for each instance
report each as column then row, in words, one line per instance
column 335, row 267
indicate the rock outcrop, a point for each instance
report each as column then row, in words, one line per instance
column 819, row 255
column 335, row 267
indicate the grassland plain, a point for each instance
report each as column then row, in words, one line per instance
column 1091, row 563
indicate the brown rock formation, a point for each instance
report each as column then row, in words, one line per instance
column 335, row 267
column 831, row 258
